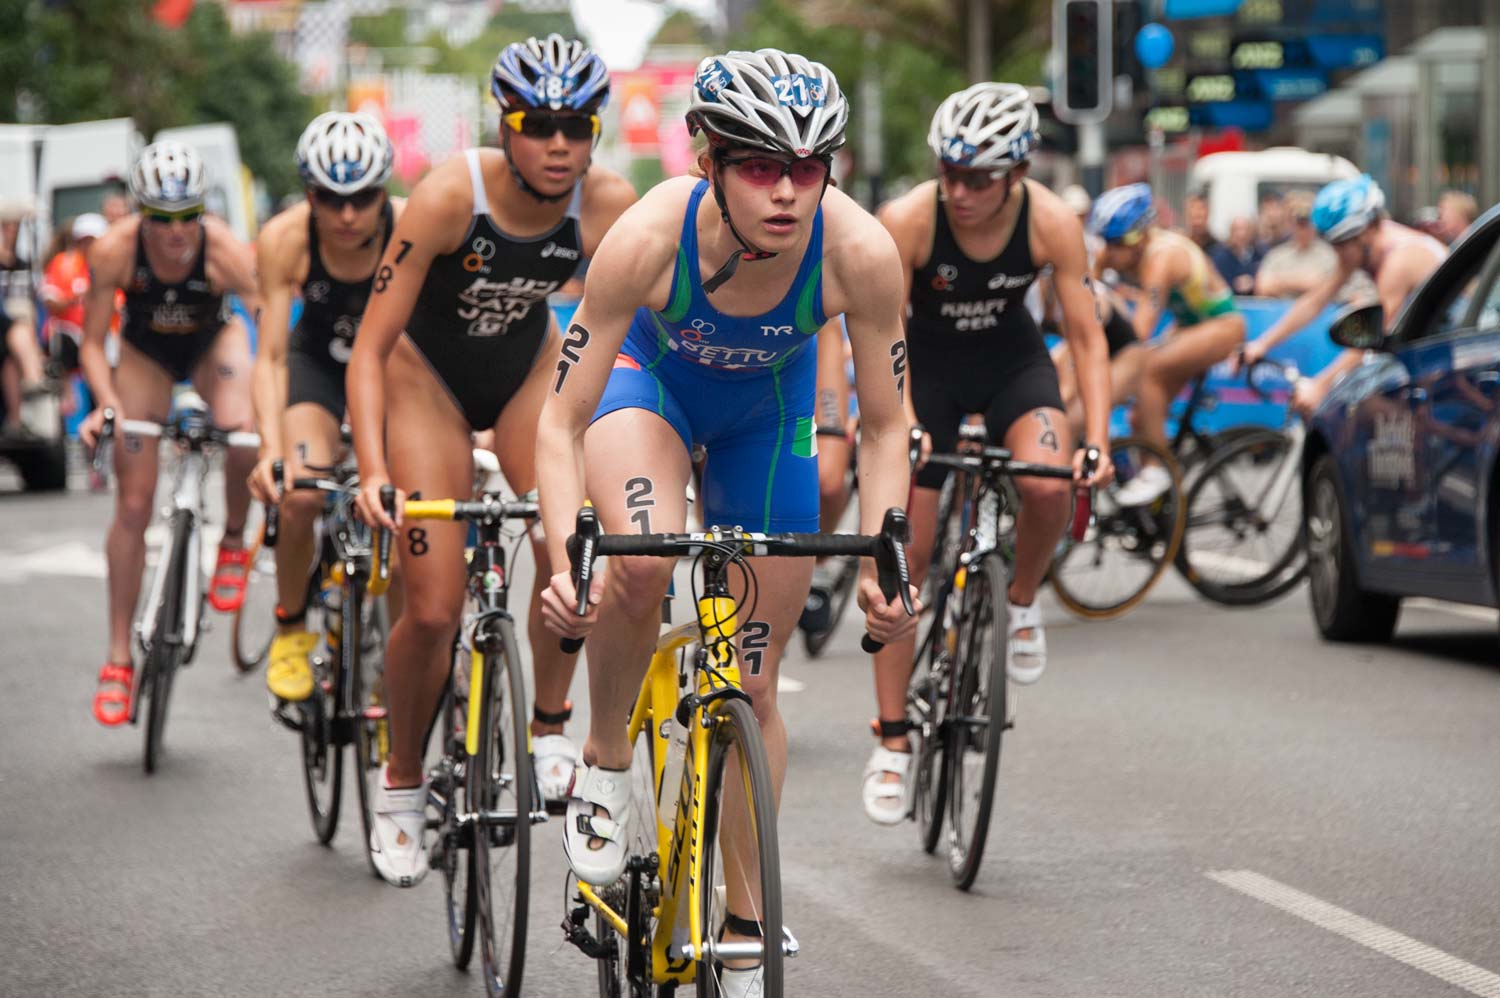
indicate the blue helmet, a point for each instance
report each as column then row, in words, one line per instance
column 1345, row 208
column 553, row 73
column 1122, row 212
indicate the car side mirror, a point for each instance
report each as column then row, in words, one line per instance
column 1361, row 327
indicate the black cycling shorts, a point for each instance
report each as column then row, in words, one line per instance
column 1119, row 333
column 320, row 380
column 177, row 354
column 943, row 402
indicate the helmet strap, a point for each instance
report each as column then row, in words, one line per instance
column 520, row 180
column 745, row 252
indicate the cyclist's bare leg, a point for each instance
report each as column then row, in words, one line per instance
column 223, row 379
column 1124, row 373
column 145, row 392
column 1169, row 366
column 515, row 445
column 781, row 587
column 427, row 441
column 1041, row 436
column 637, row 473
column 893, row 663
column 312, row 437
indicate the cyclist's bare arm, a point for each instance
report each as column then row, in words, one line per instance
column 230, row 264
column 1057, row 238
column 909, row 220
column 1158, row 278
column 110, row 261
column 863, row 278
column 434, row 222
column 281, row 253
column 632, row 267
column 1304, row 310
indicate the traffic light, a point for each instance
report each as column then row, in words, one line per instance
column 1083, row 35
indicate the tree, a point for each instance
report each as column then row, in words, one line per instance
column 160, row 77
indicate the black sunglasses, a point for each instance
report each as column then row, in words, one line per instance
column 540, row 125
column 359, row 199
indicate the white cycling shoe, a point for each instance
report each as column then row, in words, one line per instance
column 1149, row 483
column 597, row 787
column 1025, row 658
column 396, row 833
column 556, row 757
column 886, row 801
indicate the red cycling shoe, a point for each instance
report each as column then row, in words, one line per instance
column 227, row 590
column 112, row 698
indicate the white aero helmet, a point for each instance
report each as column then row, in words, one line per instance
column 168, row 176
column 988, row 126
column 771, row 100
column 344, row 152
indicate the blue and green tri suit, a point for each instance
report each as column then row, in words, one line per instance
column 743, row 387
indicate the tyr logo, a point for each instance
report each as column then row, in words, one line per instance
column 776, row 330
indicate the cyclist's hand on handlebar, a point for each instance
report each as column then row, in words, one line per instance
column 91, row 427
column 560, row 606
column 1250, row 354
column 367, row 504
column 262, row 481
column 1104, row 469
column 885, row 621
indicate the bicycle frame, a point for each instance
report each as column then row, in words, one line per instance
column 679, row 859
column 187, row 498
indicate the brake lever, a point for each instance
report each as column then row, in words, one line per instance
column 273, row 513
column 381, row 580
column 581, row 558
column 891, row 569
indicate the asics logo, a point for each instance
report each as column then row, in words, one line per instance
column 561, row 252
column 1005, row 281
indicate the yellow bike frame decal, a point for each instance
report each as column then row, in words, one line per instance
column 429, row 509
column 476, row 691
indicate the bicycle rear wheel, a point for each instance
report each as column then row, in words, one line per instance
column 976, row 717
column 255, row 621
column 926, row 710
column 739, row 818
column 1243, row 543
column 322, row 755
column 1129, row 548
column 501, row 781
column 164, row 652
column 617, row 977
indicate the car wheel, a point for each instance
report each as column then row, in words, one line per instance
column 1342, row 610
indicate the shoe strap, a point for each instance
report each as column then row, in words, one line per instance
column 1023, row 617
column 884, row 760
column 112, row 673
column 553, row 717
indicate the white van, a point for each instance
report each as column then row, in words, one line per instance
column 1235, row 182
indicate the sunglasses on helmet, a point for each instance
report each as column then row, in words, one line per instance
column 767, row 171
column 335, row 201
column 186, row 216
column 541, row 125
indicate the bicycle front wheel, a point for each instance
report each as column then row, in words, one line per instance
column 1243, row 544
column 501, row 781
column 741, row 858
column 976, row 717
column 1128, row 548
column 322, row 756
column 165, row 651
column 926, row 710
column 453, row 854
column 367, row 729
column 255, row 621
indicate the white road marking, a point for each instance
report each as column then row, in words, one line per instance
column 71, row 558
column 1388, row 942
column 786, row 684
column 1479, row 613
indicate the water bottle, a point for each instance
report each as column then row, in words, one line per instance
column 671, row 777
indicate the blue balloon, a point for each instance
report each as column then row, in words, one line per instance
column 1153, row 46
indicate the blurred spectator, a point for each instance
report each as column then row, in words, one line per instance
column 1456, row 212
column 1195, row 216
column 65, row 283
column 114, row 207
column 1273, row 227
column 22, row 372
column 1238, row 259
column 1304, row 260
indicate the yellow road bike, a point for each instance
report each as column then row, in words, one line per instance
column 702, row 844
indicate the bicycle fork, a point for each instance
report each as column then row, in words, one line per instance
column 187, row 498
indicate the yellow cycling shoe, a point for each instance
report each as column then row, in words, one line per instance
column 289, row 676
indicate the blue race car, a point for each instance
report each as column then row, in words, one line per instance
column 1401, row 472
